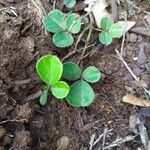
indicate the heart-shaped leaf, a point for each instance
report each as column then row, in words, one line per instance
column 55, row 21
column 105, row 38
column 70, row 3
column 116, row 30
column 63, row 39
column 81, row 94
column 91, row 74
column 106, row 23
column 71, row 71
column 43, row 97
column 73, row 23
column 60, row 89
column 50, row 69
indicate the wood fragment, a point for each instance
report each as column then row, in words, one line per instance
column 131, row 99
column 140, row 30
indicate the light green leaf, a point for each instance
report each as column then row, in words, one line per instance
column 106, row 23
column 63, row 39
column 91, row 74
column 116, row 30
column 81, row 94
column 60, row 89
column 55, row 21
column 70, row 3
column 73, row 23
column 71, row 71
column 105, row 38
column 50, row 69
column 43, row 97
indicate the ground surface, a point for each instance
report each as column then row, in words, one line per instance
column 24, row 124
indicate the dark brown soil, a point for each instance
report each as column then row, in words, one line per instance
column 24, row 124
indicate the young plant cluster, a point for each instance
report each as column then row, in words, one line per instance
column 80, row 93
column 50, row 68
column 63, row 26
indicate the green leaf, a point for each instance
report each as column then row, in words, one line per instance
column 116, row 30
column 91, row 74
column 81, row 94
column 55, row 21
column 70, row 3
column 73, row 23
column 60, row 89
column 71, row 71
column 43, row 97
column 50, row 69
column 105, row 38
column 63, row 39
column 106, row 23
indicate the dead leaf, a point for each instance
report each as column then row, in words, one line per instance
column 127, row 25
column 98, row 8
column 131, row 99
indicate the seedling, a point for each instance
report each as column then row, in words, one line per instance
column 63, row 26
column 50, row 69
column 81, row 93
column 70, row 3
column 110, row 31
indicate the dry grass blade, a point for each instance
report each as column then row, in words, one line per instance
column 131, row 99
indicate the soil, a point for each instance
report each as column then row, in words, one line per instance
column 24, row 123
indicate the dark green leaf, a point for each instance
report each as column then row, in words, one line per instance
column 81, row 94
column 73, row 23
column 106, row 23
column 55, row 21
column 105, row 38
column 63, row 39
column 50, row 69
column 70, row 3
column 43, row 97
column 71, row 71
column 91, row 74
column 60, row 89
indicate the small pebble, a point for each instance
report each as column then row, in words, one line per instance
column 63, row 143
column 132, row 37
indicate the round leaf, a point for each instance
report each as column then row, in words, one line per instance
column 50, row 69
column 73, row 23
column 106, row 23
column 81, row 94
column 60, row 89
column 70, row 3
column 55, row 21
column 116, row 30
column 71, row 71
column 91, row 74
column 63, row 39
column 43, row 97
column 105, row 38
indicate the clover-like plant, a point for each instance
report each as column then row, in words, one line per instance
column 110, row 30
column 50, row 69
column 81, row 93
column 63, row 26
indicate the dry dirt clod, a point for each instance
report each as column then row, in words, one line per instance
column 24, row 111
column 133, row 37
column 2, row 132
column 63, row 143
column 22, row 140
